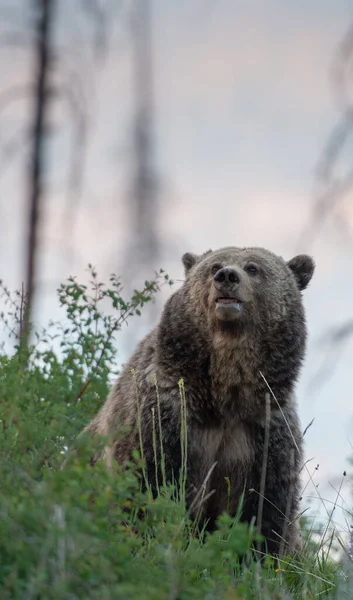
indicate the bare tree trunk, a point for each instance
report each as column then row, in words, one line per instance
column 144, row 197
column 35, row 186
column 143, row 248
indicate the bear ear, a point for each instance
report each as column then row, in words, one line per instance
column 302, row 267
column 189, row 260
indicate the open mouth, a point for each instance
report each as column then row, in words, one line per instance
column 229, row 303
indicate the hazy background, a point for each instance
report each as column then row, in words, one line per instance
column 174, row 126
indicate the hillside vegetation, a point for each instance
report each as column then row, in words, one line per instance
column 83, row 532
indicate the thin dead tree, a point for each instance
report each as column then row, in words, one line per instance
column 41, row 96
column 144, row 197
column 333, row 187
column 144, row 247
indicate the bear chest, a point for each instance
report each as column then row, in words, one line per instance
column 230, row 446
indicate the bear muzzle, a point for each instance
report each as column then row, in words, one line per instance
column 228, row 294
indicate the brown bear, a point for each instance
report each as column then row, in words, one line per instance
column 235, row 333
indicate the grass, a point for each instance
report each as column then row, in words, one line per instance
column 77, row 532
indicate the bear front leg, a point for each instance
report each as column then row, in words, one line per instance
column 281, row 493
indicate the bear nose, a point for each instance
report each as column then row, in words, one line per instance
column 227, row 275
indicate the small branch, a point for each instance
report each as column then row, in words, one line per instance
column 117, row 324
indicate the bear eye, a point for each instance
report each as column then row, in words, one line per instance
column 215, row 268
column 251, row 269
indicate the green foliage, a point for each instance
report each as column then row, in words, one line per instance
column 83, row 532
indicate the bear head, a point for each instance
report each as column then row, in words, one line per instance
column 235, row 289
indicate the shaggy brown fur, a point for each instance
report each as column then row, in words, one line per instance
column 238, row 315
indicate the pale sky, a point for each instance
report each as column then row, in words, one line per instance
column 244, row 105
